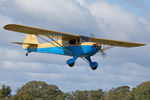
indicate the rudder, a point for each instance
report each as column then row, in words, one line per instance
column 30, row 39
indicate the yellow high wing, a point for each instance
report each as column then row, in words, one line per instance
column 116, row 43
column 39, row 31
column 67, row 36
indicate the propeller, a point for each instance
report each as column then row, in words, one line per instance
column 100, row 47
column 101, row 50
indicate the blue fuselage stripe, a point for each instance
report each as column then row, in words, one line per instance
column 76, row 50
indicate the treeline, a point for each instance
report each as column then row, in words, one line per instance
column 37, row 90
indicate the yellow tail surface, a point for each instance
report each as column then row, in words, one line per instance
column 30, row 41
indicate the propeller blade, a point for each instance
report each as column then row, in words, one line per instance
column 101, row 50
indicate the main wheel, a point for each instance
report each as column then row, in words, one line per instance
column 70, row 62
column 94, row 65
column 93, row 68
column 71, row 65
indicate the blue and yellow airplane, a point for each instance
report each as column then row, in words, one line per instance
column 65, row 44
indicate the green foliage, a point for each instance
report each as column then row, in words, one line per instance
column 69, row 96
column 60, row 97
column 5, row 92
column 22, row 97
column 80, row 95
column 96, row 95
column 85, row 95
column 117, row 93
column 142, row 92
column 37, row 90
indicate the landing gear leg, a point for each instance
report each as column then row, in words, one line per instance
column 27, row 53
column 71, row 62
column 93, row 65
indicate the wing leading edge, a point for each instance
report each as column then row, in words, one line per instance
column 39, row 31
column 116, row 43
column 67, row 36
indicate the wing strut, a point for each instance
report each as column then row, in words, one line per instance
column 54, row 44
column 47, row 41
column 85, row 59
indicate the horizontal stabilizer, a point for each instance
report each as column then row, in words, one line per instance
column 21, row 43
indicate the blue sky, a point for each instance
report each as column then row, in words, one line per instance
column 134, row 6
column 113, row 19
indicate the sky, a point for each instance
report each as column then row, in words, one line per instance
column 126, row 20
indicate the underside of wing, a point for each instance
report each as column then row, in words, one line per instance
column 38, row 31
column 116, row 42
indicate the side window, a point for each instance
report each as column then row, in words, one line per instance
column 64, row 42
column 73, row 41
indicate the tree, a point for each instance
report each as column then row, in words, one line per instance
column 22, row 97
column 84, row 95
column 96, row 94
column 60, row 97
column 117, row 93
column 51, row 92
column 5, row 91
column 80, row 95
column 37, row 90
column 69, row 96
column 142, row 92
column 131, row 95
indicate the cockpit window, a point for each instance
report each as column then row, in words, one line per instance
column 84, row 39
column 73, row 41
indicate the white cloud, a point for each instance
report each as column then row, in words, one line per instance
column 52, row 9
column 136, row 70
column 21, row 66
column 65, row 13
column 117, row 23
column 2, row 1
column 6, row 36
column 4, row 20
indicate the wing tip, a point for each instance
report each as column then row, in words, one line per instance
column 143, row 44
column 6, row 26
column 9, row 26
column 139, row 44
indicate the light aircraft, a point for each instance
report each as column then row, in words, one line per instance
column 66, row 44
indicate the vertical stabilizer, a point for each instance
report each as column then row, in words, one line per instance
column 30, row 39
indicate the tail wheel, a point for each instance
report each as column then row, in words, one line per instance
column 27, row 53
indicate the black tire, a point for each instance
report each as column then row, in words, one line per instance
column 26, row 54
column 94, row 68
column 71, row 65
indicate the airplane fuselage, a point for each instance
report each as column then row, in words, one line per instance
column 85, row 50
column 74, row 50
